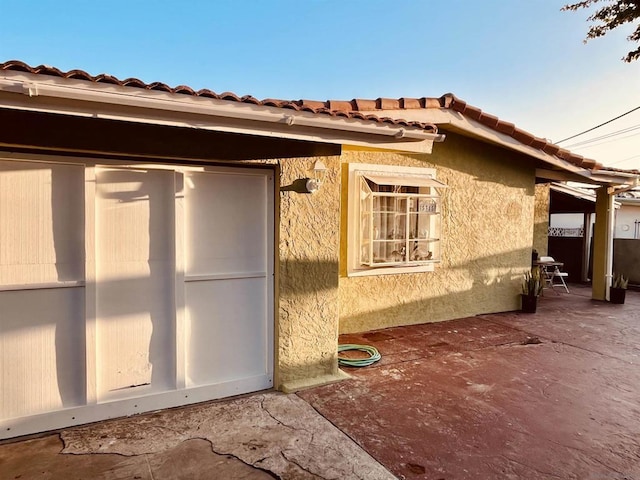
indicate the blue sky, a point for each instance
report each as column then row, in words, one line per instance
column 521, row 60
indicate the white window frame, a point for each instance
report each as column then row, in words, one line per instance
column 364, row 236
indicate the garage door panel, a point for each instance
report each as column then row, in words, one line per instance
column 42, row 350
column 226, row 222
column 41, row 222
column 134, row 283
column 226, row 330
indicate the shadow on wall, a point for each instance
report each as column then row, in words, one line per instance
column 487, row 284
column 34, row 314
column 307, row 276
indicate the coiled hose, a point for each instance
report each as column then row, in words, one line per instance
column 374, row 355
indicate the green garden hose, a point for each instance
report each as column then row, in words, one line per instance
column 374, row 355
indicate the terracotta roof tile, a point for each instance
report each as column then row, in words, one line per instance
column 506, row 128
column 388, row 104
column 334, row 108
column 550, row 148
column 205, row 92
column 339, row 105
column 80, row 75
column 410, row 103
column 611, row 169
column 492, row 121
column 588, row 163
column 538, row 143
column 311, row 104
column 520, row 135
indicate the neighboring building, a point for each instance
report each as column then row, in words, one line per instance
column 628, row 216
column 158, row 246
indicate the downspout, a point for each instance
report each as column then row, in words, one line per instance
column 586, row 255
column 610, row 232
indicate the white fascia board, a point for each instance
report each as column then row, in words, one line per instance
column 577, row 193
column 574, row 192
column 81, row 98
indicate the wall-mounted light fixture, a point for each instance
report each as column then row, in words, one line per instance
column 314, row 182
column 310, row 184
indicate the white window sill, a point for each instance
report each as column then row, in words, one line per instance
column 367, row 272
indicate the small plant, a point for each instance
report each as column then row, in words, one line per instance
column 620, row 282
column 532, row 283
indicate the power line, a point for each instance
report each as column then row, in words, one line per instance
column 598, row 126
column 602, row 137
column 624, row 160
column 602, row 142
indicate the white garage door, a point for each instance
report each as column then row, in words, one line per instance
column 124, row 290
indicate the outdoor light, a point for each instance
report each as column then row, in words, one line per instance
column 318, row 173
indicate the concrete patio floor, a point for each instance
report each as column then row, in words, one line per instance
column 549, row 395
column 506, row 396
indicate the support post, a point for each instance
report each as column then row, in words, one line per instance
column 602, row 245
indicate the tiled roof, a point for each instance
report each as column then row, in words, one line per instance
column 635, row 171
column 362, row 109
column 451, row 102
column 318, row 108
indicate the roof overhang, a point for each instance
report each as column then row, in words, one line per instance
column 548, row 167
column 578, row 195
column 41, row 93
column 551, row 168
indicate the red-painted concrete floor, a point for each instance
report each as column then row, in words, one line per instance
column 551, row 395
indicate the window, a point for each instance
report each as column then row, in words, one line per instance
column 394, row 219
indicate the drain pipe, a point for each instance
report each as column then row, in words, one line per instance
column 611, row 211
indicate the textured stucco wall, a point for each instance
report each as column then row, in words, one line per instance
column 541, row 218
column 487, row 236
column 309, row 234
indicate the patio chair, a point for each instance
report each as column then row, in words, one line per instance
column 552, row 273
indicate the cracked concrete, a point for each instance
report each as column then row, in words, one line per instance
column 274, row 433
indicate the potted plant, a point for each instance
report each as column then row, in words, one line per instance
column 618, row 289
column 531, row 290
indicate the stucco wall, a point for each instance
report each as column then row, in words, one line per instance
column 307, row 329
column 627, row 218
column 487, row 236
column 541, row 218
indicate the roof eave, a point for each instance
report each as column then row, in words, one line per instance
column 21, row 90
column 560, row 169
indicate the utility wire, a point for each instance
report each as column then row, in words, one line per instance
column 602, row 142
column 602, row 137
column 623, row 160
column 598, row 126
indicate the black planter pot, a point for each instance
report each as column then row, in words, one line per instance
column 617, row 295
column 529, row 303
